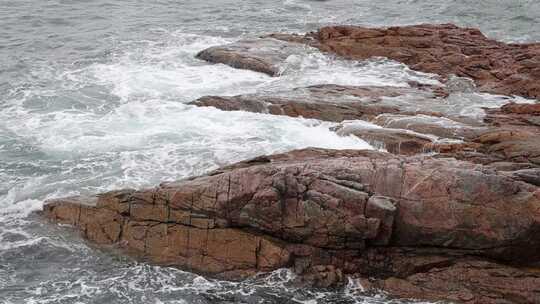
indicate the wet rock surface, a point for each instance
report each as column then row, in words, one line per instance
column 312, row 208
column 326, row 102
column 446, row 49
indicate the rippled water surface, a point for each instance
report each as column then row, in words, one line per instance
column 93, row 97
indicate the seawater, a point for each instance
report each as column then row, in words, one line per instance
column 93, row 98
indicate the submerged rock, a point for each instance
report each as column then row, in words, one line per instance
column 260, row 55
column 396, row 141
column 445, row 49
column 438, row 126
column 327, row 213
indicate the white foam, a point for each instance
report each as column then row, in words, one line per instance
column 359, row 124
column 19, row 200
column 420, row 118
column 313, row 67
column 168, row 70
column 349, row 127
column 153, row 70
column 142, row 143
column 296, row 4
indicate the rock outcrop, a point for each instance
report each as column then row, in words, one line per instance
column 329, row 102
column 510, row 133
column 446, row 49
column 329, row 213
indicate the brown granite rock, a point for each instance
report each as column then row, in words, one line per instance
column 523, row 117
column 323, row 202
column 445, row 49
column 321, row 212
column 511, row 144
column 383, row 208
column 522, row 108
column 467, row 281
column 328, row 102
column 435, row 274
column 172, row 237
column 513, row 134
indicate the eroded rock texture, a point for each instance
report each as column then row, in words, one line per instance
column 468, row 281
column 327, row 213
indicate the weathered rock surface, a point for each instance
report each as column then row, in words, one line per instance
column 328, row 102
column 496, row 67
column 511, row 144
column 328, row 213
column 261, row 55
column 467, row 281
column 525, row 117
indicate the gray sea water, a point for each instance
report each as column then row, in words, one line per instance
column 92, row 98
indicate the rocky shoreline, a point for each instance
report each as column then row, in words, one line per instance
column 450, row 212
